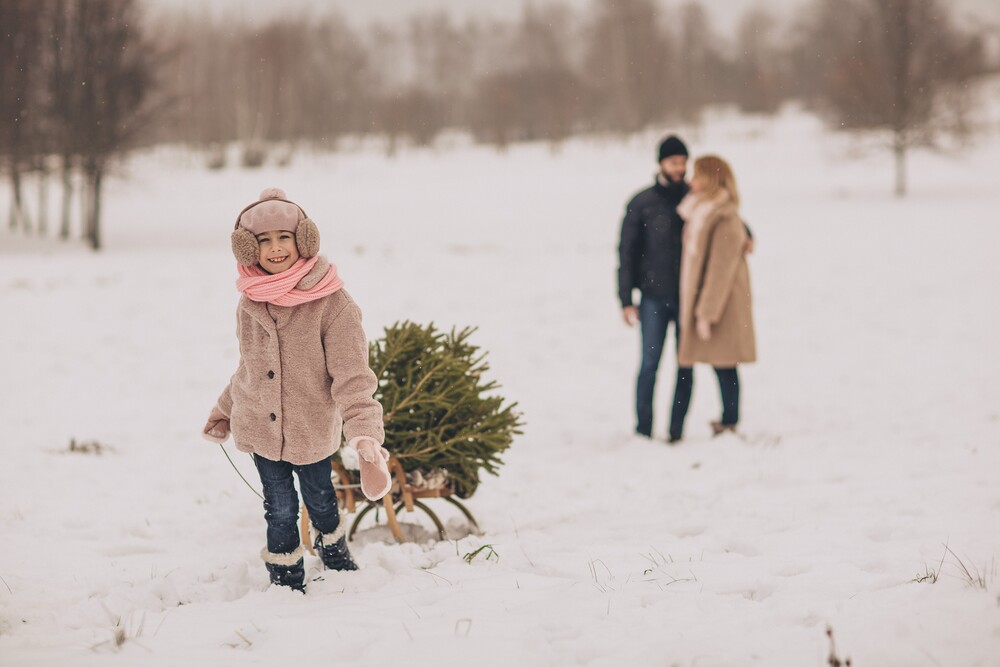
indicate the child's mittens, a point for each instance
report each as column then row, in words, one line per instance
column 217, row 427
column 375, row 478
column 368, row 449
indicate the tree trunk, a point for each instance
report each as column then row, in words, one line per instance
column 43, row 201
column 18, row 216
column 86, row 196
column 67, row 181
column 899, row 149
column 12, row 211
column 95, row 225
column 390, row 149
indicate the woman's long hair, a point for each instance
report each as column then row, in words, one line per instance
column 717, row 177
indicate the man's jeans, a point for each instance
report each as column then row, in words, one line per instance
column 654, row 316
column 281, row 502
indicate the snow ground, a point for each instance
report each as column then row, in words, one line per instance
column 871, row 423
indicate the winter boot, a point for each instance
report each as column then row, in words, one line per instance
column 286, row 569
column 718, row 428
column 332, row 549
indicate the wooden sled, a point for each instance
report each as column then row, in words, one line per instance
column 401, row 495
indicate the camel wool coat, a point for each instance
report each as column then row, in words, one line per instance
column 303, row 378
column 715, row 284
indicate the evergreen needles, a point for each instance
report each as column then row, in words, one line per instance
column 440, row 411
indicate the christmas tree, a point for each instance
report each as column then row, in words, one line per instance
column 440, row 411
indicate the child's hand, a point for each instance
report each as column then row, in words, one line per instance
column 376, row 481
column 217, row 428
column 368, row 449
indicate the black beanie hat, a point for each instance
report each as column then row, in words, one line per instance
column 672, row 145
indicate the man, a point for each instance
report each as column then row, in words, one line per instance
column 650, row 260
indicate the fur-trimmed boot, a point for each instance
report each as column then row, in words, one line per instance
column 286, row 569
column 332, row 549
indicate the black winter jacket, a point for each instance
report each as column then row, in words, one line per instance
column 649, row 254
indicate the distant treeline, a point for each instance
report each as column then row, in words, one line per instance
column 83, row 81
column 618, row 67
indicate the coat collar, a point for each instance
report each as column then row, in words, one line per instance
column 721, row 201
column 673, row 191
column 258, row 311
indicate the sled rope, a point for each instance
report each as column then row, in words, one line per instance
column 239, row 473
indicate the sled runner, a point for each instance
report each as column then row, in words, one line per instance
column 403, row 494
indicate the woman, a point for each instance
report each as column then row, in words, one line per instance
column 716, row 321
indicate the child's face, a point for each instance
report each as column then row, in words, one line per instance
column 277, row 250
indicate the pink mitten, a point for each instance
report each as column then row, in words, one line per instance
column 217, row 428
column 375, row 478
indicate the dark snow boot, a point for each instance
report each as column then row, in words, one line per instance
column 286, row 569
column 332, row 549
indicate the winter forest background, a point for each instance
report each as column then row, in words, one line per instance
column 468, row 164
column 85, row 82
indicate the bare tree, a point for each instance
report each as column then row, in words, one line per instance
column 341, row 69
column 553, row 93
column 758, row 65
column 20, row 105
column 628, row 63
column 698, row 66
column 116, row 76
column 533, row 92
column 496, row 105
column 199, row 79
column 622, row 66
column 820, row 36
column 65, row 79
column 414, row 113
column 895, row 70
column 443, row 61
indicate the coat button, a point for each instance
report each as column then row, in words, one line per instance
column 270, row 375
column 274, row 417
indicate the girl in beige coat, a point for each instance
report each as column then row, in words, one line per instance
column 716, row 320
column 303, row 381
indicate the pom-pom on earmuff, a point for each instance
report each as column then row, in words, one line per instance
column 272, row 193
column 245, row 247
column 307, row 238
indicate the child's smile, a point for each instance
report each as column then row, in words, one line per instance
column 277, row 250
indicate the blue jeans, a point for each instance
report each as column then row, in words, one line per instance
column 281, row 502
column 654, row 317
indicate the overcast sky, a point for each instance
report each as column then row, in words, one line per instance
column 726, row 12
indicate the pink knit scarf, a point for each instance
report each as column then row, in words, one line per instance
column 280, row 288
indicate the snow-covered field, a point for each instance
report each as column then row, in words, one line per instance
column 871, row 423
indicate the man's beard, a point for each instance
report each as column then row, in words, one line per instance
column 670, row 179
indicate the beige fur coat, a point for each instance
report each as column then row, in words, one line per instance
column 303, row 378
column 715, row 284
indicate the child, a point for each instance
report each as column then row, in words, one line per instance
column 303, row 377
